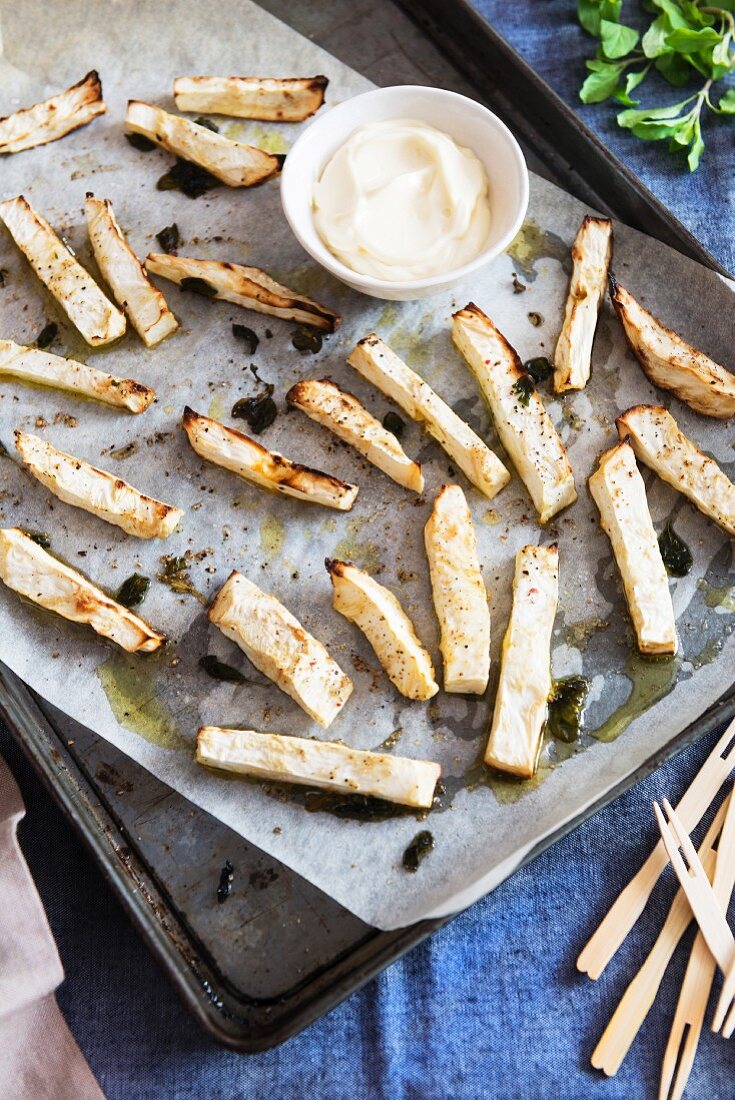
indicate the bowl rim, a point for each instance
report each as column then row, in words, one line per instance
column 346, row 274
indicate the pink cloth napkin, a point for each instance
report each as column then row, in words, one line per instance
column 39, row 1059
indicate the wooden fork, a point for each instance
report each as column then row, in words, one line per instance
column 636, row 1002
column 697, row 888
column 631, row 902
column 694, row 995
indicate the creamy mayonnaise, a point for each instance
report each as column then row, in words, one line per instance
column 401, row 200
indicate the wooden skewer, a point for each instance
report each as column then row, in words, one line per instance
column 636, row 1002
column 725, row 855
column 631, row 902
column 697, row 888
column 695, row 990
column 688, row 1021
column 726, row 998
column 727, row 995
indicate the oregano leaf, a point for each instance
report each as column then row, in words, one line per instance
column 617, row 39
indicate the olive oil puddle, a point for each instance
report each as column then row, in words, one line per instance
column 362, row 552
column 715, row 596
column 650, row 680
column 217, row 407
column 578, row 634
column 352, row 807
column 427, row 355
column 251, row 133
column 533, row 243
column 272, row 535
column 130, row 688
column 507, row 789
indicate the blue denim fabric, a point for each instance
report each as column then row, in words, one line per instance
column 547, row 34
column 491, row 1008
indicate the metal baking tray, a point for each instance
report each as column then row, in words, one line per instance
column 278, row 953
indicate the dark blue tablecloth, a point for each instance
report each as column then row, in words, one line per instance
column 492, row 1006
column 548, row 35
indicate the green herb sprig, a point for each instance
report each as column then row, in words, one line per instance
column 685, row 39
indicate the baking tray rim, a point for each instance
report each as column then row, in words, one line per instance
column 135, row 884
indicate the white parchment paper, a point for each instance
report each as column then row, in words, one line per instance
column 151, row 708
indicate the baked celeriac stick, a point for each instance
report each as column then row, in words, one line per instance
column 591, row 256
column 103, row 494
column 323, row 764
column 279, row 647
column 522, row 700
column 248, row 287
column 670, row 362
column 53, row 118
column 40, row 577
column 243, row 456
column 231, row 162
column 379, row 615
column 344, row 415
column 41, row 368
column 268, row 99
column 74, row 289
column 375, row 361
column 459, row 593
column 659, row 442
column 618, row 491
column 523, row 424
column 142, row 302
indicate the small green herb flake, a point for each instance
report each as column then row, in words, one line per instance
column 175, row 574
column 41, row 538
column 566, row 708
column 354, row 807
column 169, row 238
column 242, row 332
column 207, row 124
column 3, row 450
column 47, row 335
column 392, row 422
column 125, row 451
column 417, row 850
column 192, row 285
column 140, row 142
column 523, row 389
column 133, row 591
column 307, row 341
column 218, row 670
column 676, row 555
column 539, row 368
column 188, row 178
column 224, row 886
column 259, row 411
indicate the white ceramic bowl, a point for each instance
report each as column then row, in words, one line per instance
column 468, row 122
